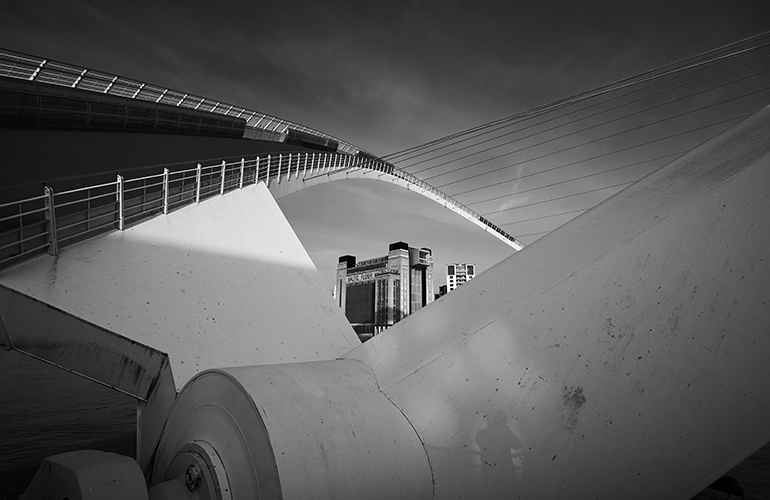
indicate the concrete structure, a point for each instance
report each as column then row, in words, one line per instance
column 633, row 365
column 192, row 286
column 624, row 355
column 376, row 293
column 39, row 93
column 87, row 475
column 300, row 430
column 457, row 274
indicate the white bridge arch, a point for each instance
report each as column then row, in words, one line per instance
column 296, row 171
column 138, row 198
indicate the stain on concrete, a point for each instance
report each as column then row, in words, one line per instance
column 572, row 400
column 673, row 322
column 609, row 327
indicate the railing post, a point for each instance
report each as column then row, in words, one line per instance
column 198, row 184
column 280, row 161
column 288, row 170
column 165, row 191
column 240, row 184
column 50, row 216
column 267, row 177
column 120, row 202
column 304, row 171
column 222, row 183
column 256, row 174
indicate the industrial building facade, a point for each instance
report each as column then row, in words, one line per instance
column 457, row 274
column 377, row 293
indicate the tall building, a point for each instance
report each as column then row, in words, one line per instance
column 457, row 274
column 377, row 293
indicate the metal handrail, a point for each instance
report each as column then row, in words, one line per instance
column 8, row 245
column 75, row 190
column 135, row 179
column 143, row 186
column 21, row 214
column 85, row 221
column 27, row 200
column 22, row 66
column 81, row 200
column 384, row 166
column 89, row 230
column 176, row 189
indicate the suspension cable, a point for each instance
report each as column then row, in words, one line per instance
column 579, row 119
column 616, row 134
column 617, row 85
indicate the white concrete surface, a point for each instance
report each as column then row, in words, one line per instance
column 625, row 355
column 319, row 430
column 222, row 283
column 87, row 475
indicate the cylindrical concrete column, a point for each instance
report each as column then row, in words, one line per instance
column 294, row 431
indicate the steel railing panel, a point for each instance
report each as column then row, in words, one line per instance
column 149, row 93
column 26, row 67
column 19, row 202
column 85, row 188
column 146, row 177
column 123, row 87
column 84, row 212
column 17, row 70
column 172, row 97
column 191, row 102
column 95, row 82
column 21, row 241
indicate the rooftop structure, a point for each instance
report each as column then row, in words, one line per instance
column 377, row 293
column 457, row 274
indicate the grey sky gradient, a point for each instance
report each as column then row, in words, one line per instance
column 383, row 75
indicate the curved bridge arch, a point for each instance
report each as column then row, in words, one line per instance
column 284, row 173
column 294, row 172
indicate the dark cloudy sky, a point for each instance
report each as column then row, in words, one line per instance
column 383, row 75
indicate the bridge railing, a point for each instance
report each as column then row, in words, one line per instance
column 437, row 194
column 58, row 218
column 258, row 125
